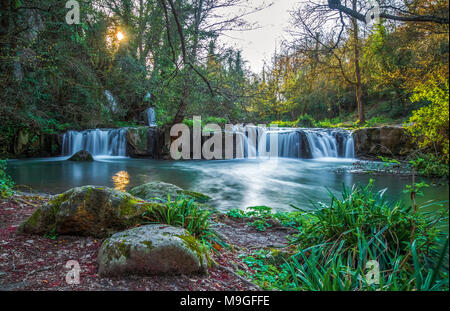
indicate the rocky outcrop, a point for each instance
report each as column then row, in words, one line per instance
column 305, row 148
column 159, row 192
column 31, row 144
column 87, row 211
column 143, row 142
column 82, row 156
column 149, row 250
column 382, row 141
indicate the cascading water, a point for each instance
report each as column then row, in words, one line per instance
column 111, row 101
column 98, row 142
column 151, row 117
column 350, row 147
column 250, row 142
column 294, row 143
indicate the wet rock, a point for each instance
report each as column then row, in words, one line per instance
column 382, row 141
column 87, row 211
column 159, row 191
column 197, row 196
column 82, row 156
column 305, row 148
column 150, row 250
column 142, row 142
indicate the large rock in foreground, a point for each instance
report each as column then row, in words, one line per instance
column 159, row 191
column 150, row 250
column 382, row 141
column 87, row 211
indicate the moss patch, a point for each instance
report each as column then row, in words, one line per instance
column 197, row 196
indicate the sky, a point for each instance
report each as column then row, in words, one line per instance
column 259, row 44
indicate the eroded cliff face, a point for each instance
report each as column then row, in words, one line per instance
column 382, row 141
column 28, row 143
column 143, row 142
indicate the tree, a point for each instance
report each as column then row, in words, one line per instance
column 343, row 34
column 404, row 11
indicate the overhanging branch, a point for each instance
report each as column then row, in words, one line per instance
column 336, row 5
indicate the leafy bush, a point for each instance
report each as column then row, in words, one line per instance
column 6, row 183
column 305, row 121
column 260, row 217
column 430, row 165
column 283, row 123
column 337, row 243
column 214, row 120
column 430, row 124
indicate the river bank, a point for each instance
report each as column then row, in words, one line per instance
column 33, row 262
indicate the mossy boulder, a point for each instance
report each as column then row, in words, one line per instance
column 151, row 250
column 82, row 156
column 87, row 211
column 197, row 196
column 159, row 192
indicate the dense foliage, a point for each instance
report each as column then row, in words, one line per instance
column 55, row 76
column 6, row 183
column 430, row 123
column 335, row 244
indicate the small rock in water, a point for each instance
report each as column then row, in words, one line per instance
column 82, row 156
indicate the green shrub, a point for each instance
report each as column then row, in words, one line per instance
column 430, row 124
column 305, row 121
column 261, row 215
column 6, row 183
column 284, row 123
column 430, row 165
column 336, row 243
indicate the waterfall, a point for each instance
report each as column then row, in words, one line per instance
column 294, row 143
column 249, row 142
column 111, row 101
column 105, row 142
column 151, row 117
column 350, row 147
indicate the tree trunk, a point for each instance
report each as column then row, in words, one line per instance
column 359, row 100
column 191, row 58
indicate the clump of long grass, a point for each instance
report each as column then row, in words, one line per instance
column 186, row 213
column 181, row 212
column 337, row 246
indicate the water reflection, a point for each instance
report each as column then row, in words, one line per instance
column 121, row 180
column 232, row 183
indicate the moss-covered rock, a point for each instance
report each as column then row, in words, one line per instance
column 87, row 211
column 82, row 156
column 197, row 196
column 159, row 192
column 150, row 250
column 156, row 191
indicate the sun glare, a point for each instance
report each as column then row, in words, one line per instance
column 120, row 36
